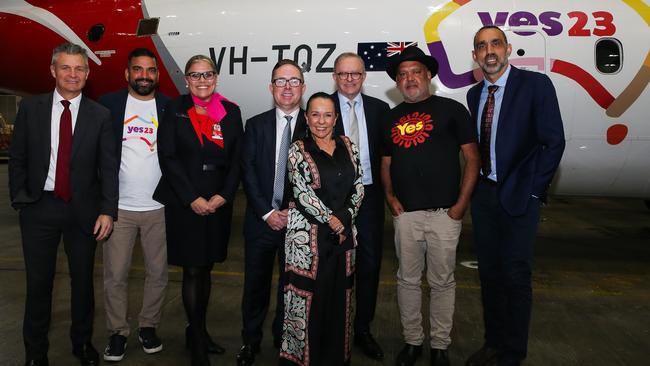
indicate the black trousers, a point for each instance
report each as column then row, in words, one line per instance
column 504, row 247
column 370, row 228
column 260, row 254
column 42, row 226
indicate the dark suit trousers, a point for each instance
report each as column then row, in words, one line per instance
column 504, row 247
column 370, row 227
column 42, row 226
column 260, row 256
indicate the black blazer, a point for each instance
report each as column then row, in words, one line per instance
column 258, row 164
column 93, row 166
column 181, row 160
column 375, row 111
column 116, row 103
column 530, row 137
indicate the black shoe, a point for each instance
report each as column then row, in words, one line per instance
column 368, row 345
column 439, row 357
column 37, row 362
column 116, row 348
column 486, row 356
column 408, row 355
column 246, row 354
column 150, row 342
column 211, row 345
column 87, row 354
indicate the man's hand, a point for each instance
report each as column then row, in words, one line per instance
column 103, row 227
column 277, row 220
column 395, row 206
column 201, row 207
column 215, row 202
column 457, row 211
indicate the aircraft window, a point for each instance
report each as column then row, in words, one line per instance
column 147, row 27
column 609, row 55
column 96, row 32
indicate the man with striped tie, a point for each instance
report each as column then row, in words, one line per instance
column 264, row 165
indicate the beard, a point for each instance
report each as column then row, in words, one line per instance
column 495, row 68
column 143, row 89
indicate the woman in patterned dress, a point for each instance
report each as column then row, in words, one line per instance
column 325, row 182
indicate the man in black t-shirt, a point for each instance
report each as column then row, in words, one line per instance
column 422, row 181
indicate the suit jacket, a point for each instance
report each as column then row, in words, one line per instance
column 530, row 138
column 375, row 111
column 93, row 166
column 181, row 159
column 258, row 166
column 116, row 103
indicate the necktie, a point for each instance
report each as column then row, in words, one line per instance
column 486, row 131
column 354, row 123
column 280, row 172
column 62, row 177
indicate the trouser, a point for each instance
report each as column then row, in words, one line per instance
column 118, row 251
column 42, row 226
column 426, row 237
column 260, row 256
column 370, row 227
column 504, row 247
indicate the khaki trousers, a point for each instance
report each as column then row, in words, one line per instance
column 118, row 250
column 427, row 237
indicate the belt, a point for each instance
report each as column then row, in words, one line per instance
column 209, row 167
column 432, row 209
column 487, row 180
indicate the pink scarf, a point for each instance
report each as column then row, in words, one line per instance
column 214, row 107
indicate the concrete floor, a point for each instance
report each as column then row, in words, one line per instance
column 591, row 294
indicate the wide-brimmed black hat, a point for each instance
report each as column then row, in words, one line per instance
column 412, row 53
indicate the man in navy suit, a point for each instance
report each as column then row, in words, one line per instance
column 521, row 141
column 265, row 220
column 63, row 179
column 135, row 113
column 360, row 119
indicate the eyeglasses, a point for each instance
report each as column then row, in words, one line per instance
column 352, row 75
column 282, row 82
column 196, row 76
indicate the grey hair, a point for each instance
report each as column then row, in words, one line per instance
column 69, row 49
column 346, row 55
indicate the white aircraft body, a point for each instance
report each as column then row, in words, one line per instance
column 596, row 52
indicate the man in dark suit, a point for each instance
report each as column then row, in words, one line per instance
column 521, row 143
column 264, row 156
column 360, row 119
column 63, row 179
column 135, row 113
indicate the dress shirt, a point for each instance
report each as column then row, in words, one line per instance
column 364, row 150
column 498, row 98
column 55, row 122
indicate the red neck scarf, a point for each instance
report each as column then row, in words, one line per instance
column 209, row 126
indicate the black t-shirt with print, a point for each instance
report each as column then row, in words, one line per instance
column 424, row 141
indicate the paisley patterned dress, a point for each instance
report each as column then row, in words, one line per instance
column 319, row 270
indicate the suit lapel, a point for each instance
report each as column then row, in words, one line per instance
column 44, row 120
column 269, row 136
column 372, row 127
column 512, row 86
column 81, row 126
